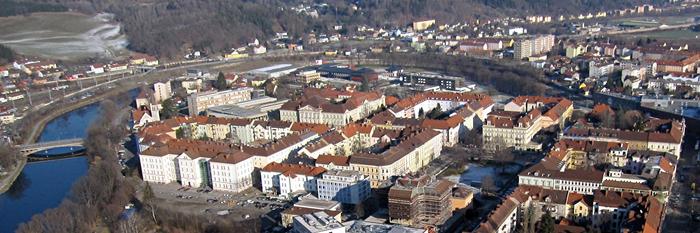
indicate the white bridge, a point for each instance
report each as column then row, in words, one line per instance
column 28, row 149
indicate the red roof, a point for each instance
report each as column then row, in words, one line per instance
column 292, row 170
column 335, row 160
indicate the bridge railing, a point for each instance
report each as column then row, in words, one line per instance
column 51, row 143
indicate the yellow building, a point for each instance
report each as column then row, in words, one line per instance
column 422, row 25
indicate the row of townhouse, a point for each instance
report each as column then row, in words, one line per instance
column 332, row 107
column 661, row 135
column 642, row 173
column 602, row 210
column 521, row 119
column 377, row 153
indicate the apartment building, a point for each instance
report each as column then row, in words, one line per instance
column 162, row 91
column 603, row 211
column 504, row 219
column 521, row 119
column 600, row 68
column 285, row 179
column 467, row 112
column 279, row 150
column 525, row 48
column 551, row 174
column 333, row 107
column 197, row 164
column 344, row 186
column 412, row 152
column 232, row 172
column 445, row 82
column 200, row 102
column 661, row 135
column 420, row 202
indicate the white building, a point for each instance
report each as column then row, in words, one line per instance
column 550, row 174
column 345, row 186
column 232, row 172
column 285, row 179
column 597, row 69
column 162, row 91
column 274, row 71
column 197, row 164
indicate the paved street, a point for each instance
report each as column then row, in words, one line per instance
column 681, row 204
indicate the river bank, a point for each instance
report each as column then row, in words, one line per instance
column 40, row 125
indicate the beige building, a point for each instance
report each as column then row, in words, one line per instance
column 333, row 107
column 422, row 25
column 521, row 119
column 199, row 102
column 162, row 91
column 662, row 135
column 411, row 154
column 525, row 48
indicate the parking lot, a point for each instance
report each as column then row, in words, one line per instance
column 250, row 203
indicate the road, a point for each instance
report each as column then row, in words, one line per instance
column 681, row 205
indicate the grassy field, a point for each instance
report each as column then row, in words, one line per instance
column 682, row 34
column 64, row 36
column 653, row 21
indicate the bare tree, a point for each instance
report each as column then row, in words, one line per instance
column 9, row 156
column 488, row 185
column 149, row 199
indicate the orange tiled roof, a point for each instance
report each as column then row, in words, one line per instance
column 292, row 170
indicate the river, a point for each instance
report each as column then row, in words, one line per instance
column 43, row 185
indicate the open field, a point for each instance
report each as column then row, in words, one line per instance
column 679, row 34
column 63, row 36
column 653, row 21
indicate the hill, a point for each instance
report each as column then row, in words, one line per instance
column 166, row 28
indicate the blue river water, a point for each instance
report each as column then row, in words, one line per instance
column 43, row 185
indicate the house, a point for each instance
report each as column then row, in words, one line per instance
column 97, row 68
column 259, row 50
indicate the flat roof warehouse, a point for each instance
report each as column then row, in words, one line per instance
column 274, row 71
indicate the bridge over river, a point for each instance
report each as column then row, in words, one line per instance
column 28, row 149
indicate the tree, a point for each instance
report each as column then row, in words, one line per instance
column 220, row 83
column 149, row 199
column 180, row 133
column 6, row 55
column 9, row 156
column 435, row 112
column 488, row 185
column 629, row 120
column 546, row 224
column 168, row 109
column 528, row 225
column 365, row 83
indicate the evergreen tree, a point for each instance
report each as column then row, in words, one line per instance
column 168, row 109
column 546, row 224
column 220, row 83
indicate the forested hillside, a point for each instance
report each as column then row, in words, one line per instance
column 165, row 28
column 11, row 8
